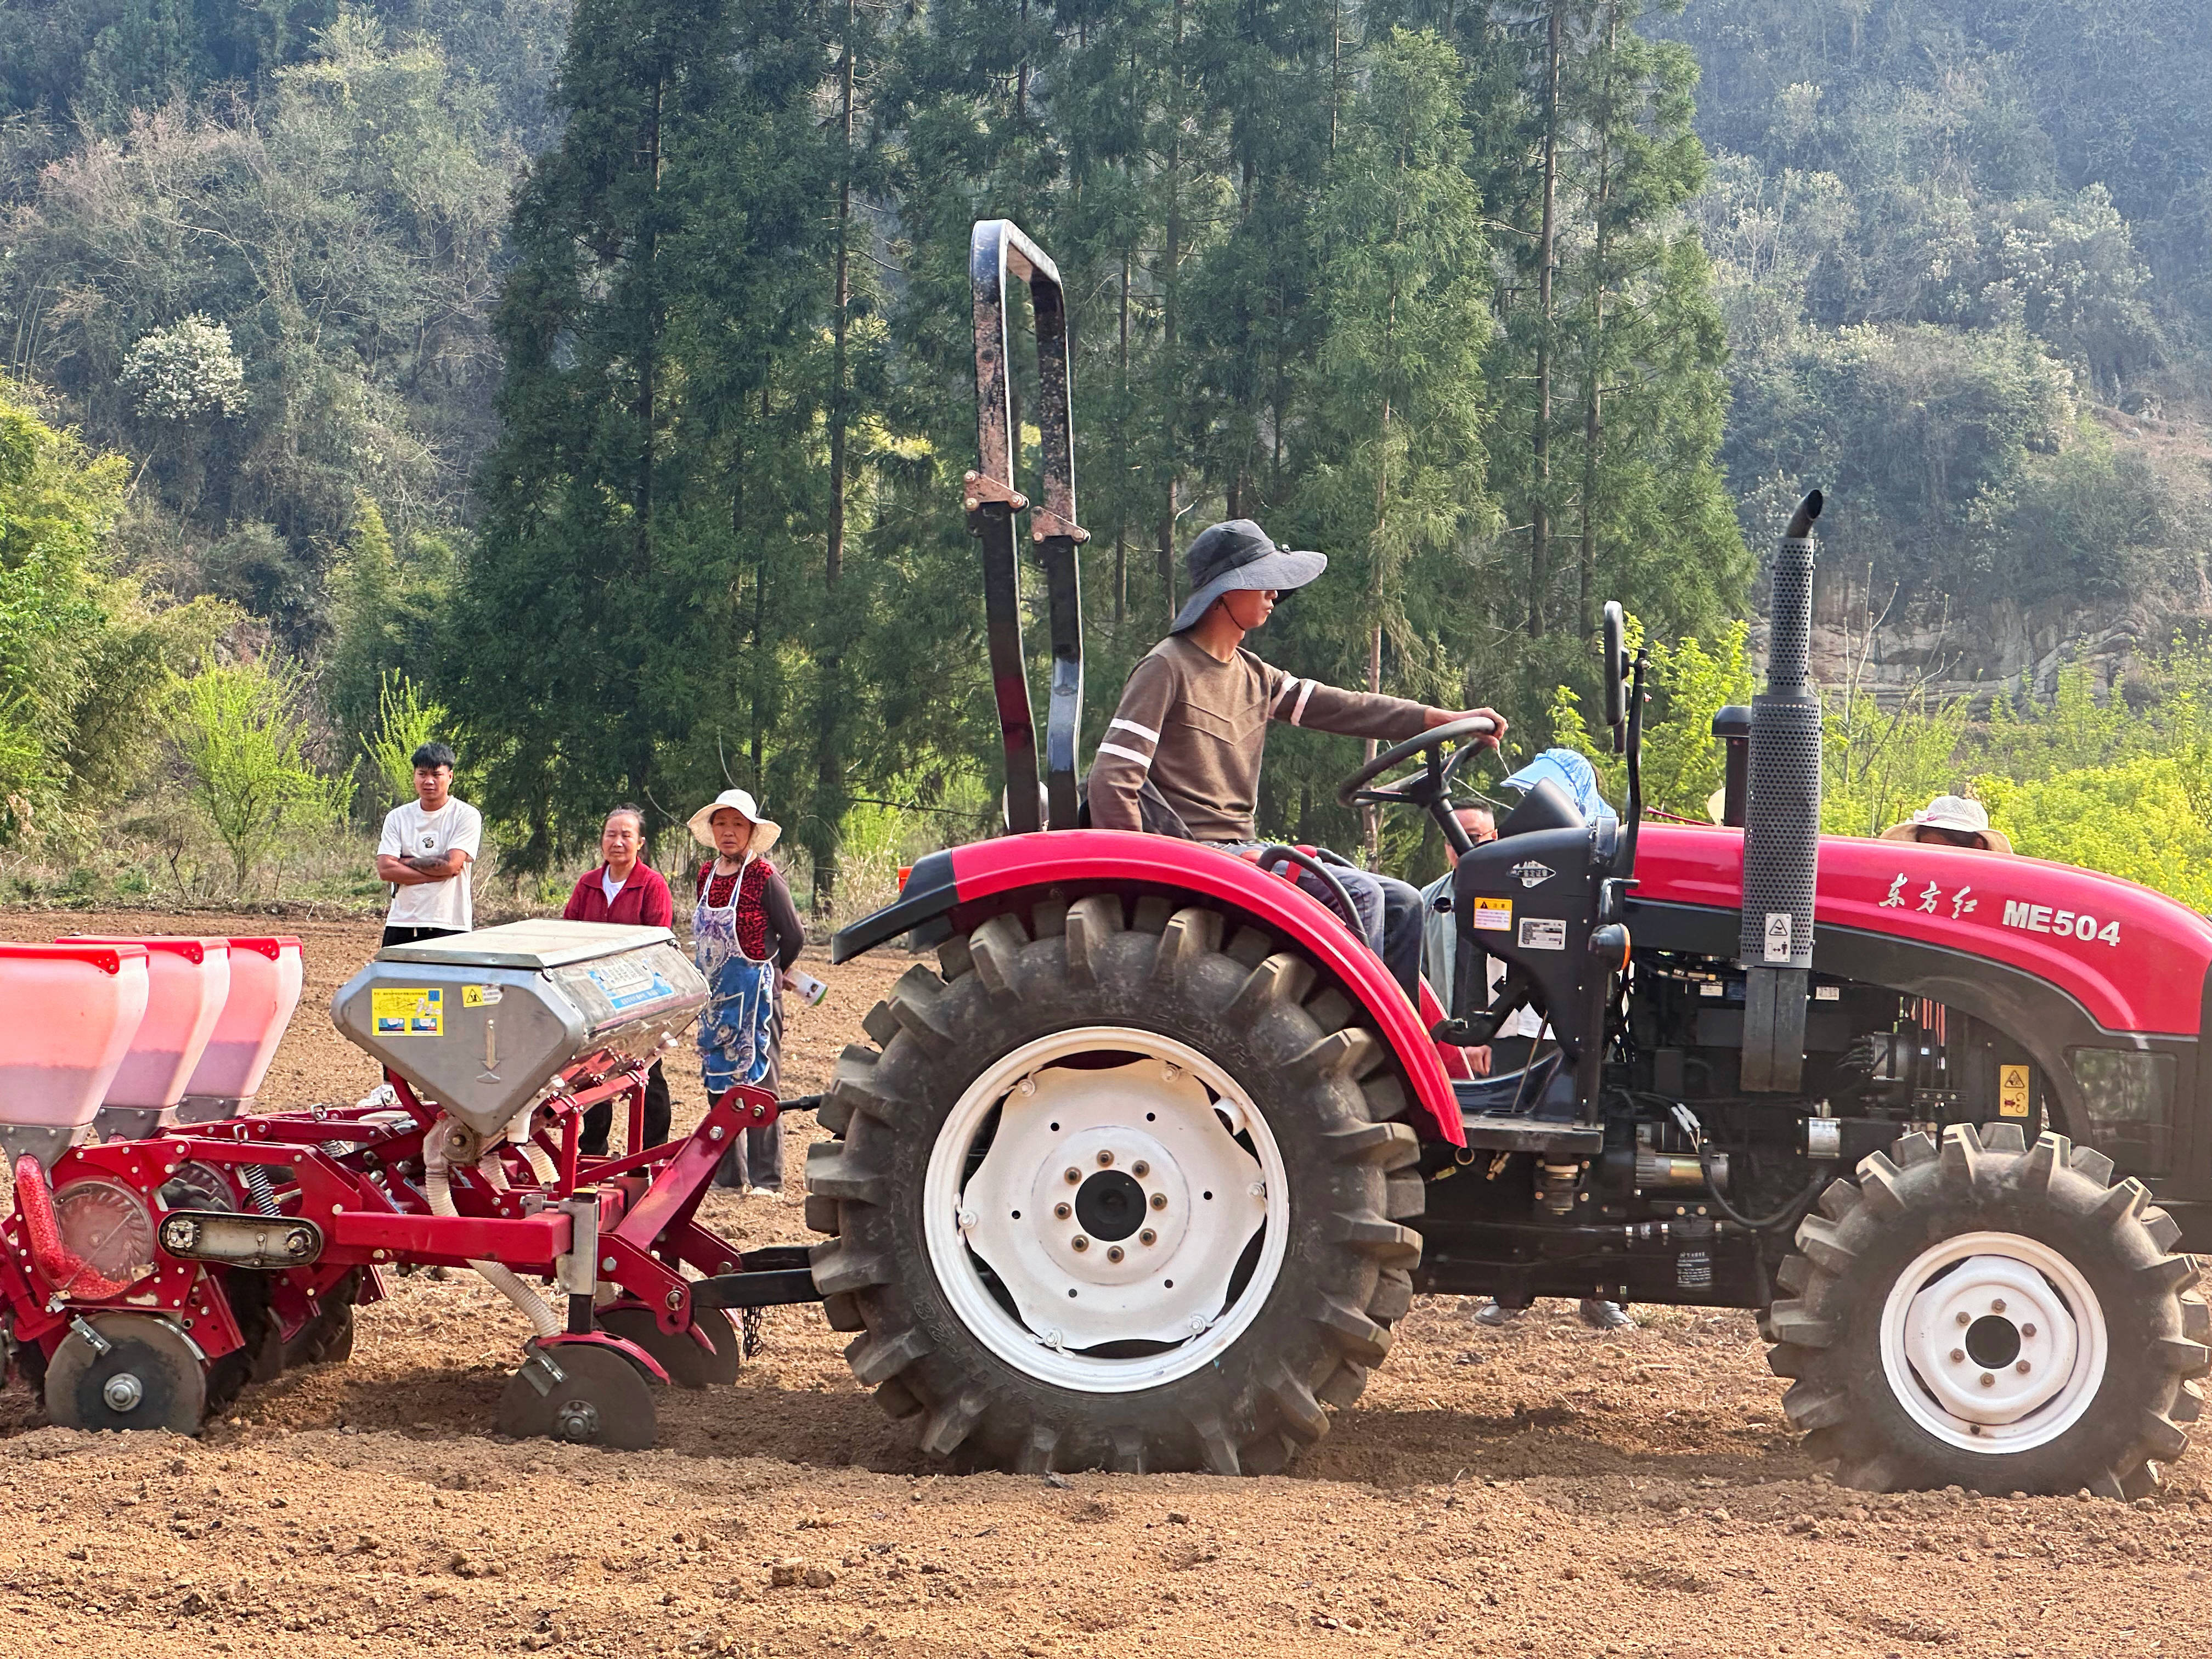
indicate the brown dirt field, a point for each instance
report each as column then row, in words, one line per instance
column 1540, row 1489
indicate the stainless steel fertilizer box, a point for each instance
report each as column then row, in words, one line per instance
column 481, row 1022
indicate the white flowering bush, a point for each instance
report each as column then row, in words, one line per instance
column 184, row 371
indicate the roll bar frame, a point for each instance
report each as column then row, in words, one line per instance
column 995, row 247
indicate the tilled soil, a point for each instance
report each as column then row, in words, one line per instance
column 1538, row 1489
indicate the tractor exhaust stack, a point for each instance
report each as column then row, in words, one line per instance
column 1781, row 827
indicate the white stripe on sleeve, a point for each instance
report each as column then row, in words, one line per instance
column 1291, row 683
column 1145, row 761
column 1143, row 732
column 1299, row 713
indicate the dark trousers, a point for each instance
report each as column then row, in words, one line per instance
column 600, row 1119
column 414, row 935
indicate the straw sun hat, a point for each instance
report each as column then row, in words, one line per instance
column 1951, row 812
column 765, row 831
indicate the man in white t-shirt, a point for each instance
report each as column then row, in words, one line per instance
column 425, row 851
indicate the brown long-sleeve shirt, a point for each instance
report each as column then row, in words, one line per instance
column 1197, row 727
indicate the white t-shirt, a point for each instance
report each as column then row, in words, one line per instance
column 611, row 885
column 411, row 831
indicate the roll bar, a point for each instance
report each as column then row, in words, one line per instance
column 995, row 247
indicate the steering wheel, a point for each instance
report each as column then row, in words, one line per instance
column 1354, row 791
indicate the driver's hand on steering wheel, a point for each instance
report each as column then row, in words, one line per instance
column 1444, row 717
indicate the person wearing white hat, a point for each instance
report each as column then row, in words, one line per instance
column 746, row 934
column 1951, row 821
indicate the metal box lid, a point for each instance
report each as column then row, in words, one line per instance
column 534, row 945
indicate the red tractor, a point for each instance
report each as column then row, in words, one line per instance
column 1144, row 1172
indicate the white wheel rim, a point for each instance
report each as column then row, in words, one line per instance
column 1993, row 1342
column 1203, row 1194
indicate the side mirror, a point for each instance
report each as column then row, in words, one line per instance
column 1614, row 666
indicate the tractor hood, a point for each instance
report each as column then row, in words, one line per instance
column 2133, row 959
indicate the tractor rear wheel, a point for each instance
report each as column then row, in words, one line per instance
column 1114, row 1194
column 1992, row 1315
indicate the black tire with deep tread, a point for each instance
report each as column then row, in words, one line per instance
column 1322, row 1086
column 1827, row 1335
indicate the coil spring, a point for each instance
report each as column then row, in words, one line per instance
column 260, row 1187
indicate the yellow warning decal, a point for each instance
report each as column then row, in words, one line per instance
column 2012, row 1091
column 408, row 1011
column 1494, row 915
column 480, row 996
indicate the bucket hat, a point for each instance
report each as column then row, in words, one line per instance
column 1951, row 812
column 1238, row 554
column 765, row 831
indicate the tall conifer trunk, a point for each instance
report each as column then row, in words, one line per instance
column 829, row 768
column 1594, row 408
column 1540, row 517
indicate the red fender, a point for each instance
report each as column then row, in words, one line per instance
column 1096, row 857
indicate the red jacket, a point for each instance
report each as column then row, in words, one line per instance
column 643, row 901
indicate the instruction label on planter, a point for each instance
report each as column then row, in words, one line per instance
column 2012, row 1091
column 408, row 1011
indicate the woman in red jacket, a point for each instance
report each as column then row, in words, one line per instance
column 625, row 889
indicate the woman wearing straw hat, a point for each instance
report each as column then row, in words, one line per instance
column 1951, row 821
column 745, row 932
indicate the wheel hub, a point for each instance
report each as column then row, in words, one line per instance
column 578, row 1420
column 1994, row 1341
column 1991, row 1339
column 1117, row 1198
column 122, row 1391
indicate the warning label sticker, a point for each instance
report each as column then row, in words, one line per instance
column 480, row 996
column 408, row 1011
column 1542, row 933
column 2012, row 1091
column 1492, row 916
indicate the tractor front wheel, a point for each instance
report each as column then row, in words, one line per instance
column 1992, row 1315
column 1113, row 1194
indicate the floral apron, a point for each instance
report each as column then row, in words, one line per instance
column 736, row 1033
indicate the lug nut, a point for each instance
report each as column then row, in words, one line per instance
column 1988, row 1381
column 1075, row 1175
column 1997, row 1306
column 1140, row 1168
column 1148, row 1237
column 1964, row 1319
column 1958, row 1355
column 1105, row 1159
column 1060, row 1211
column 1159, row 1200
column 1113, row 1253
column 1081, row 1242
column 2027, row 1331
column 2020, row 1365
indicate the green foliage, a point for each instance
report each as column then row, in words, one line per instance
column 404, row 722
column 1687, row 683
column 244, row 734
column 84, row 660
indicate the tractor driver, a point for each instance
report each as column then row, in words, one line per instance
column 1182, row 755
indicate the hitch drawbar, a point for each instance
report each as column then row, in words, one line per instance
column 776, row 1276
